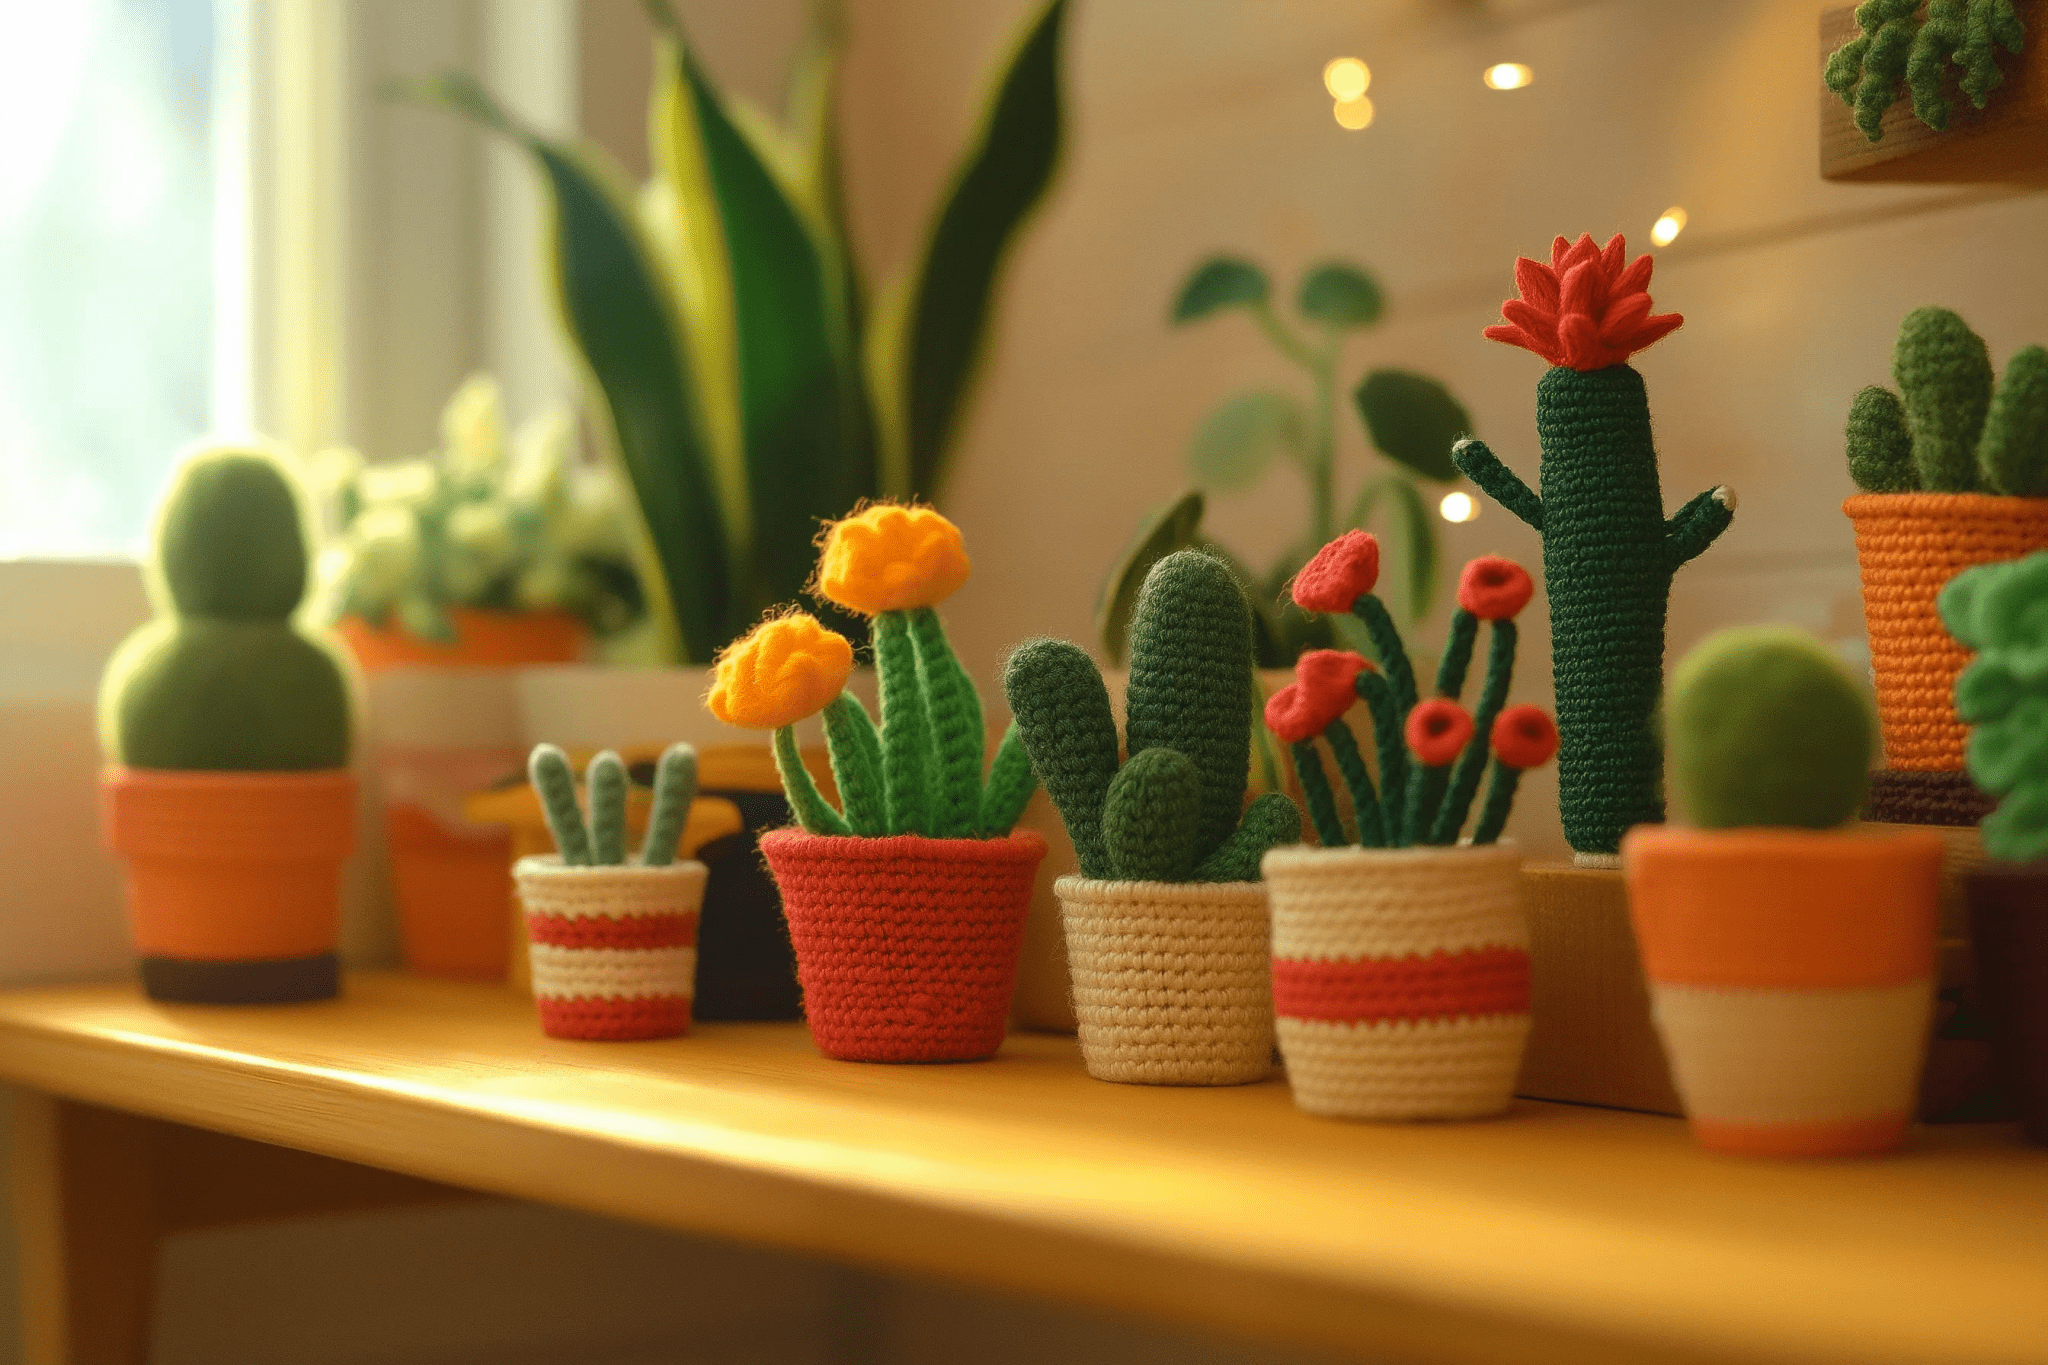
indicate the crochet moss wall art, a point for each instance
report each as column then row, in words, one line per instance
column 1609, row 552
column 1901, row 42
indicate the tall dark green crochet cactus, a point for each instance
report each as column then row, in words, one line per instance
column 1609, row 552
column 1173, row 811
column 221, row 680
column 1950, row 428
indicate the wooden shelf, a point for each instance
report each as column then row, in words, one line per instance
column 1558, row 1233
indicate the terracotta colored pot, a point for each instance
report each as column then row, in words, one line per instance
column 482, row 638
column 1400, row 978
column 2009, row 925
column 613, row 950
column 1791, row 976
column 1173, row 981
column 234, row 879
column 453, row 889
column 906, row 946
column 1908, row 546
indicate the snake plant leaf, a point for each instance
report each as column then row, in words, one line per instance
column 1339, row 295
column 1233, row 447
column 1175, row 526
column 1413, row 420
column 1409, row 536
column 616, row 307
column 933, row 348
column 1220, row 282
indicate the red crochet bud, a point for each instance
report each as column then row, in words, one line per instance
column 1586, row 309
column 1437, row 730
column 1524, row 737
column 1342, row 572
column 1494, row 589
column 1293, row 715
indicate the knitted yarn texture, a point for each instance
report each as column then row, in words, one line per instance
column 613, row 948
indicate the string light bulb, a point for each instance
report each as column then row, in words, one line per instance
column 1458, row 507
column 1666, row 229
column 1354, row 114
column 1507, row 76
column 1346, row 78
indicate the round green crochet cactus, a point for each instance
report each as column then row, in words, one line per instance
column 1766, row 728
column 2001, row 612
column 221, row 680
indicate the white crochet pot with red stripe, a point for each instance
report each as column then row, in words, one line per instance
column 1400, row 978
column 613, row 948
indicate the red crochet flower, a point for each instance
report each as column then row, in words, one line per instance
column 1494, row 589
column 1586, row 309
column 1341, row 573
column 1437, row 730
column 1323, row 690
column 1524, row 737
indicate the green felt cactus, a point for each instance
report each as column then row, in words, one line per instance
column 1898, row 43
column 602, row 841
column 1944, row 375
column 2001, row 612
column 221, row 680
column 1880, row 445
column 1767, row 728
column 2012, row 454
column 1174, row 810
column 1952, row 427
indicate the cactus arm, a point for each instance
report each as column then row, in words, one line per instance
column 856, row 751
column 806, row 802
column 1944, row 374
column 1010, row 784
column 1500, row 799
column 1151, row 818
column 1358, row 781
column 1880, row 447
column 1471, row 764
column 675, row 787
column 907, row 767
column 1065, row 725
column 1315, row 789
column 1457, row 657
column 1698, row 524
column 556, row 787
column 2012, row 455
column 1392, row 746
column 958, row 734
column 606, row 782
column 1479, row 464
column 1271, row 820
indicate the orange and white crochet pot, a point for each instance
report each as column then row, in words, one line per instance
column 1400, row 979
column 613, row 950
column 1791, row 975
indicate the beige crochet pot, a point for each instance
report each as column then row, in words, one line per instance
column 1172, row 980
column 612, row 949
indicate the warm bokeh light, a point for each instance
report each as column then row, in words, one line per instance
column 1346, row 78
column 1354, row 114
column 1458, row 507
column 1508, row 76
column 1667, row 228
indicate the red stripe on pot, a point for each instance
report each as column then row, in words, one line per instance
column 1480, row 982
column 603, row 931
column 618, row 1020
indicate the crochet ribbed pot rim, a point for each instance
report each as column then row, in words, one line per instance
column 1075, row 887
column 1019, row 846
column 549, row 866
column 1283, row 860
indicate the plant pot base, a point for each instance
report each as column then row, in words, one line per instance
column 615, row 1019
column 1403, row 1071
column 276, row 981
column 1841, row 1137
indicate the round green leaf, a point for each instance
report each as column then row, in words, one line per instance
column 1220, row 282
column 1413, row 420
column 1340, row 295
column 1237, row 442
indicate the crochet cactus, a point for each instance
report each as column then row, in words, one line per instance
column 602, row 842
column 1766, row 728
column 1174, row 810
column 1896, row 44
column 221, row 680
column 1950, row 428
column 1996, row 610
column 1609, row 552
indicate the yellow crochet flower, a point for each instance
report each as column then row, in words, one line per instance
column 891, row 558
column 782, row 671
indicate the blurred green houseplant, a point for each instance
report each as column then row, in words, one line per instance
column 751, row 386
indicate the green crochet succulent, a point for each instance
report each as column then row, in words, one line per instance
column 602, row 842
column 1950, row 428
column 1174, row 810
column 1897, row 43
column 2001, row 612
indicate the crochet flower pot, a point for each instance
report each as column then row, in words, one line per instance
column 1400, row 978
column 2009, row 919
column 613, row 949
column 1791, row 976
column 906, row 946
column 482, row 639
column 234, row 880
column 1172, row 980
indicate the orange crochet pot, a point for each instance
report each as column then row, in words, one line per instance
column 1908, row 546
column 906, row 947
column 482, row 639
column 234, row 879
column 1791, row 975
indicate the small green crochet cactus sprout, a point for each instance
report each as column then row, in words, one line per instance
column 1896, row 44
column 1950, row 428
column 602, row 842
column 1173, row 810
column 2001, row 612
column 1767, row 728
column 221, row 680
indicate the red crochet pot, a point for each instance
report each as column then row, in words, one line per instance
column 906, row 946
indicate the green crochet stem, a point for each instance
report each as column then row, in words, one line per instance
column 1009, row 789
column 856, row 751
column 1471, row 764
column 1425, row 794
column 1322, row 802
column 1386, row 642
column 1390, row 742
column 806, row 802
column 606, row 782
column 555, row 784
column 1450, row 670
column 1609, row 555
column 1271, row 821
column 1351, row 767
column 1500, row 799
column 907, row 749
column 675, row 787
column 958, row 737
column 1151, row 818
column 1064, row 723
